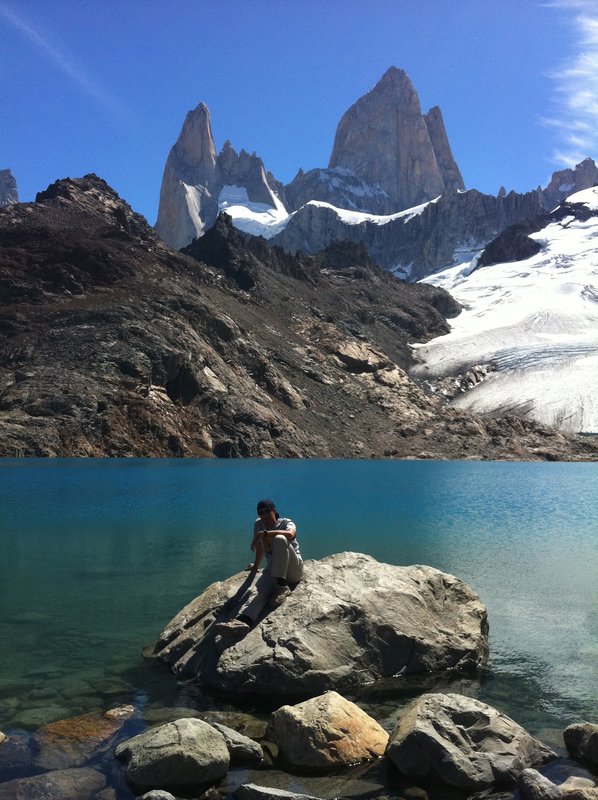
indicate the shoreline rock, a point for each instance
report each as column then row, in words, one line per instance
column 463, row 743
column 581, row 741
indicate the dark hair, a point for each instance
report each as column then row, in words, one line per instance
column 266, row 504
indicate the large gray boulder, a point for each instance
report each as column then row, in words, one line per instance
column 462, row 742
column 351, row 621
column 187, row 752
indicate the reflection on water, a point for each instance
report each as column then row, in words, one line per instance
column 99, row 555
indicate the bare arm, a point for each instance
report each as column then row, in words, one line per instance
column 257, row 545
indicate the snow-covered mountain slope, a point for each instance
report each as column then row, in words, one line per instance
column 258, row 219
column 532, row 323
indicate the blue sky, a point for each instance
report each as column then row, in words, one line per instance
column 90, row 86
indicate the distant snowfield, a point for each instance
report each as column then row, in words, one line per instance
column 535, row 322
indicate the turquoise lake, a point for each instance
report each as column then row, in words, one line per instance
column 98, row 555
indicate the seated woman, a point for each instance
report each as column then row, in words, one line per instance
column 274, row 537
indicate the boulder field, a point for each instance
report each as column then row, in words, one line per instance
column 350, row 622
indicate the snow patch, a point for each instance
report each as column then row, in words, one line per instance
column 359, row 217
column 258, row 219
column 588, row 197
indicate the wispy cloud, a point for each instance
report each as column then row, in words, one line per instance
column 575, row 115
column 59, row 58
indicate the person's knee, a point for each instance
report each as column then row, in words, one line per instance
column 280, row 541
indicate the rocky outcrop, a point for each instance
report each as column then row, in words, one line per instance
column 462, row 742
column 350, row 621
column 191, row 182
column 114, row 345
column 451, row 174
column 8, row 188
column 383, row 138
column 568, row 181
column 414, row 243
column 194, row 176
column 326, row 733
column 339, row 187
column 177, row 755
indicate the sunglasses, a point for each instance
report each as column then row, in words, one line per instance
column 263, row 511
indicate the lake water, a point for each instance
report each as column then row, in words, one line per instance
column 98, row 555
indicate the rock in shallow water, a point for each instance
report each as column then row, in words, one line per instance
column 351, row 621
column 327, row 732
column 72, row 742
column 463, row 743
column 179, row 754
column 62, row 784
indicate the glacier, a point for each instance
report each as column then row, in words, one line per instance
column 532, row 324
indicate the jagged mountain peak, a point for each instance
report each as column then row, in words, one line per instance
column 395, row 77
column 195, row 146
column 384, row 139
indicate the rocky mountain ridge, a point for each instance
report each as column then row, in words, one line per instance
column 392, row 183
column 8, row 188
column 115, row 345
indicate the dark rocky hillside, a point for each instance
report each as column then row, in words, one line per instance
column 111, row 344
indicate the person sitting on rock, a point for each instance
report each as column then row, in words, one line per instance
column 274, row 537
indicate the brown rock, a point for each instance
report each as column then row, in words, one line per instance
column 72, row 742
column 63, row 784
column 327, row 732
column 581, row 741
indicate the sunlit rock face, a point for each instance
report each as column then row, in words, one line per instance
column 385, row 140
column 194, row 177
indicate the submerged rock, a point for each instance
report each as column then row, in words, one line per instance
column 327, row 732
column 15, row 757
column 176, row 755
column 351, row 621
column 61, row 784
column 72, row 742
column 462, row 742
